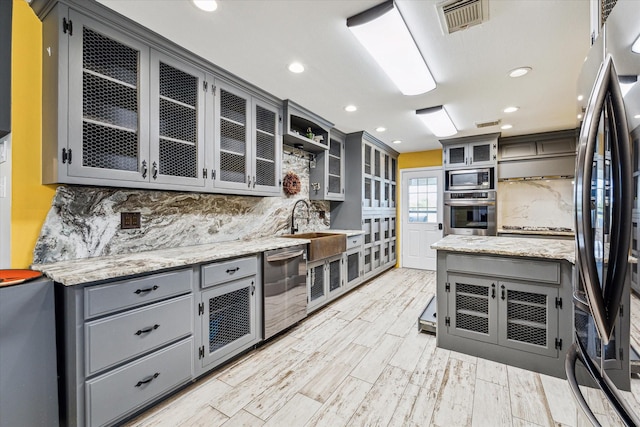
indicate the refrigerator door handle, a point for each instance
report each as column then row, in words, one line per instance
column 618, row 403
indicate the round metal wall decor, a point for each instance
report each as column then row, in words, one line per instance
column 291, row 183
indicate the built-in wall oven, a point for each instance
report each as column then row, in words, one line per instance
column 470, row 179
column 471, row 213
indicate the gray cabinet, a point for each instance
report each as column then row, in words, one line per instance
column 370, row 205
column 28, row 381
column 304, row 129
column 325, row 281
column 228, row 311
column 510, row 310
column 248, row 148
column 353, row 261
column 470, row 151
column 125, row 344
column 510, row 314
column 326, row 181
column 122, row 108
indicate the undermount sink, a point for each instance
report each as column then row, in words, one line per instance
column 323, row 245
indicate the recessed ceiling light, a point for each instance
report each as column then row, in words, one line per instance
column 296, row 67
column 206, row 5
column 580, row 97
column 635, row 48
column 350, row 108
column 396, row 141
column 637, row 116
column 519, row 72
column 579, row 116
column 505, row 127
column 380, row 129
column 511, row 109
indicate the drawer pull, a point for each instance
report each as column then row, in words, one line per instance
column 144, row 291
column 232, row 270
column 148, row 380
column 147, row 330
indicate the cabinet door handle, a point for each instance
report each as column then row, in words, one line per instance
column 253, row 287
column 147, row 330
column 248, row 181
column 254, row 182
column 232, row 270
column 502, row 293
column 148, row 380
column 144, row 291
column 144, row 169
column 493, row 291
column 155, row 170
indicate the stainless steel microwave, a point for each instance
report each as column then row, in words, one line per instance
column 470, row 179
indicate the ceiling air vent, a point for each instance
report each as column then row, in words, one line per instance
column 488, row 124
column 457, row 15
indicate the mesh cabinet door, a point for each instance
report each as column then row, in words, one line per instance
column 177, row 122
column 108, row 103
column 335, row 171
column 528, row 318
column 233, row 121
column 229, row 320
column 267, row 157
column 472, row 305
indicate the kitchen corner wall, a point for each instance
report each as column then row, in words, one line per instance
column 84, row 222
column 30, row 200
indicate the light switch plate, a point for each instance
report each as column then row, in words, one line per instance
column 3, row 151
column 3, row 187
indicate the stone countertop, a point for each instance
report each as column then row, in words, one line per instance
column 509, row 246
column 540, row 232
column 86, row 270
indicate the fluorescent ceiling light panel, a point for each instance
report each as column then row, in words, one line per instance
column 384, row 34
column 437, row 120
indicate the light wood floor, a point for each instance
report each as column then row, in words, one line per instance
column 362, row 362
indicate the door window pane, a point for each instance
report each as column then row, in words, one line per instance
column 423, row 199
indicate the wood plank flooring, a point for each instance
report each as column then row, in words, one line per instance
column 362, row 362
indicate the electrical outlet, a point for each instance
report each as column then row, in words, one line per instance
column 321, row 214
column 129, row 220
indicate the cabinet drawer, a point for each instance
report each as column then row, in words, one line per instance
column 115, row 393
column 119, row 337
column 524, row 269
column 221, row 272
column 354, row 241
column 104, row 299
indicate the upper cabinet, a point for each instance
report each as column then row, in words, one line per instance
column 5, row 66
column 326, row 180
column 247, row 141
column 120, row 110
column 471, row 151
column 304, row 129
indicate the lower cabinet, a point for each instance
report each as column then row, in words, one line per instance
column 325, row 281
column 511, row 310
column 229, row 310
column 123, row 345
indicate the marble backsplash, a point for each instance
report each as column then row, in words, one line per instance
column 84, row 222
column 536, row 203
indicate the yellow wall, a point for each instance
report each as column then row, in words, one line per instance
column 420, row 159
column 30, row 200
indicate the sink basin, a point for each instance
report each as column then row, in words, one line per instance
column 323, row 245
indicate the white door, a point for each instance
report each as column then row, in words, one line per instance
column 421, row 217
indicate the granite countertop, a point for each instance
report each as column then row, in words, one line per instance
column 509, row 246
column 539, row 231
column 86, row 270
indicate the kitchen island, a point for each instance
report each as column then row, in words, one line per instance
column 507, row 299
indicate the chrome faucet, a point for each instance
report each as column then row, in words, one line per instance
column 293, row 213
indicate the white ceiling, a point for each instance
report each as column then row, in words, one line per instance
column 257, row 39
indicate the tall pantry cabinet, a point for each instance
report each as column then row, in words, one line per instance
column 370, row 205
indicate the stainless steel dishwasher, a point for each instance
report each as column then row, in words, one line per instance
column 285, row 288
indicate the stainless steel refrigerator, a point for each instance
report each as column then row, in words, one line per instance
column 605, row 198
